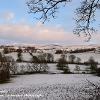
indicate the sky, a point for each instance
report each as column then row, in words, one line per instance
column 18, row 26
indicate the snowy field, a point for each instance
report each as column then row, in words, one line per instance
column 50, row 87
column 54, row 85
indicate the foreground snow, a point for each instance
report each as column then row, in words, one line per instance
column 49, row 87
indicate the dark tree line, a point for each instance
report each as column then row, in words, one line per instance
column 82, row 50
column 75, row 51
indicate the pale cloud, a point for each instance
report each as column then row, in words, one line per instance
column 38, row 32
column 7, row 16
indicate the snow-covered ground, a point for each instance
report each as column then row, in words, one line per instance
column 48, row 79
column 49, row 87
column 53, row 69
column 52, row 86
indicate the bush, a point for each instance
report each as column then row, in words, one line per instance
column 4, row 69
column 98, row 71
column 59, row 52
column 77, row 68
column 72, row 58
column 66, row 69
column 93, row 65
column 62, row 64
column 13, row 65
column 6, row 50
column 19, row 55
column 4, row 75
column 48, row 57
column 78, row 60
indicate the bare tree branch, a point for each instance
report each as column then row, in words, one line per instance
column 46, row 8
column 85, row 15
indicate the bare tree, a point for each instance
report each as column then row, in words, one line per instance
column 47, row 9
column 85, row 15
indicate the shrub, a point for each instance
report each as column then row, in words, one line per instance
column 19, row 55
column 66, row 69
column 48, row 57
column 62, row 64
column 13, row 65
column 78, row 60
column 4, row 69
column 72, row 58
column 77, row 68
column 6, row 50
column 93, row 65
column 59, row 52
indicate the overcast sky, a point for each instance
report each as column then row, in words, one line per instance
column 17, row 25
